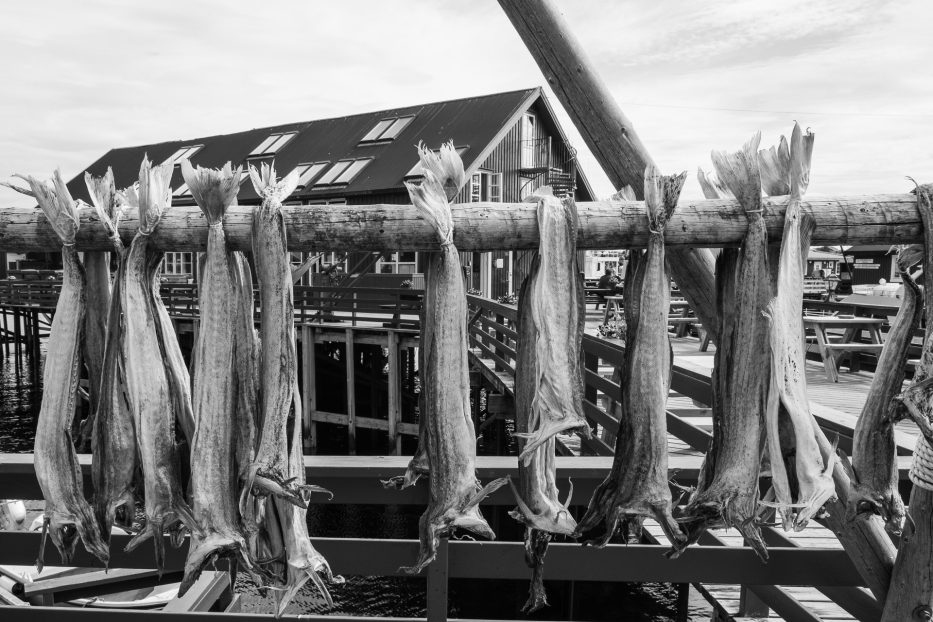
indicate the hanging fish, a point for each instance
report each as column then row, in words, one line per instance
column 68, row 515
column 728, row 491
column 113, row 434
column 786, row 170
column 874, row 451
column 278, row 368
column 557, row 405
column 149, row 383
column 447, row 445
column 214, row 481
column 539, row 508
column 637, row 485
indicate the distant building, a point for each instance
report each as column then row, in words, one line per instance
column 869, row 263
column 510, row 143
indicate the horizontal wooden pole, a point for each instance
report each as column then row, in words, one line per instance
column 506, row 560
column 875, row 219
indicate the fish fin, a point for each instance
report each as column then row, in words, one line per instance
column 485, row 491
column 545, row 432
column 612, row 523
column 566, row 503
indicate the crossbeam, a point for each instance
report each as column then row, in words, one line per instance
column 875, row 219
column 506, row 560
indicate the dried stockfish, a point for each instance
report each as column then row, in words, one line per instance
column 268, row 474
column 246, row 371
column 557, row 405
column 447, row 443
column 637, row 485
column 68, row 516
column 539, row 507
column 150, row 386
column 213, row 470
column 97, row 269
column 729, row 492
column 874, row 451
column 787, row 170
column 113, row 434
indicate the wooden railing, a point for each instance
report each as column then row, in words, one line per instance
column 391, row 307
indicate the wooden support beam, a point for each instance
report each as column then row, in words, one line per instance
column 351, row 393
column 875, row 219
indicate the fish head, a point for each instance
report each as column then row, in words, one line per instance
column 67, row 527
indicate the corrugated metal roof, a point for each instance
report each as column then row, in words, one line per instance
column 472, row 122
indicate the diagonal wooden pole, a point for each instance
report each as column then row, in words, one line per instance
column 611, row 137
column 607, row 132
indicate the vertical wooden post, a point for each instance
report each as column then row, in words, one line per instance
column 500, row 337
column 750, row 605
column 351, row 393
column 911, row 592
column 308, row 387
column 395, row 411
column 437, row 584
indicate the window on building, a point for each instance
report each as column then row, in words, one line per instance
column 342, row 172
column 397, row 263
column 416, row 170
column 327, row 202
column 178, row 264
column 182, row 191
column 307, row 172
column 529, row 141
column 486, row 186
column 387, row 129
column 182, row 153
column 272, row 144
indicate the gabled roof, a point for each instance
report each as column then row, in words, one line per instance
column 477, row 123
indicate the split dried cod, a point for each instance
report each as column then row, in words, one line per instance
column 557, row 405
column 874, row 451
column 113, row 434
column 68, row 516
column 97, row 270
column 278, row 367
column 783, row 170
column 637, row 485
column 152, row 395
column 447, row 443
column 728, row 494
column 539, row 508
column 214, row 481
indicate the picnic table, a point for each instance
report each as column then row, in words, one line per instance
column 614, row 303
column 832, row 349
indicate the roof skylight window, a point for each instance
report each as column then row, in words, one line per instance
column 272, row 144
column 343, row 172
column 307, row 172
column 183, row 153
column 182, row 191
column 387, row 129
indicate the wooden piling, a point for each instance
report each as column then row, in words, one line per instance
column 308, row 387
column 351, row 395
column 395, row 408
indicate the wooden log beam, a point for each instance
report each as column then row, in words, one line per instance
column 875, row 219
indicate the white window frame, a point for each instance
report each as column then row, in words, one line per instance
column 486, row 187
column 182, row 153
column 175, row 264
column 308, row 171
column 387, row 129
column 528, row 136
column 342, row 172
column 394, row 263
column 272, row 144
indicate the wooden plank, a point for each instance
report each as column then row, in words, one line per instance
column 351, row 392
column 201, row 596
column 437, row 601
column 368, row 423
column 84, row 580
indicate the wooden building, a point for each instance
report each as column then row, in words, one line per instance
column 869, row 263
column 511, row 143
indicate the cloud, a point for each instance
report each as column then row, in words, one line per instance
column 85, row 77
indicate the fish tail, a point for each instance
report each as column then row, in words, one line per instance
column 88, row 529
column 429, row 536
column 204, row 550
column 536, row 543
column 598, row 508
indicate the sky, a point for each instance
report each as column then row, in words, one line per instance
column 83, row 77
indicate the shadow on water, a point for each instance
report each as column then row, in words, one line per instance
column 20, row 398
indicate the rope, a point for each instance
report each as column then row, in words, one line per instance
column 921, row 468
